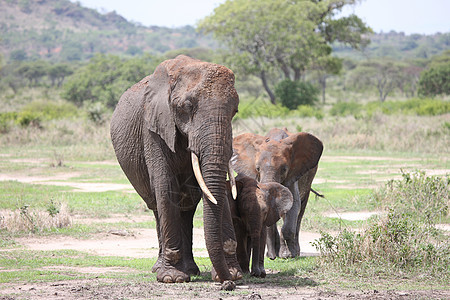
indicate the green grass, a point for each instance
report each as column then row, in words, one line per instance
column 19, row 265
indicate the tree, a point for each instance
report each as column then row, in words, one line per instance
column 324, row 67
column 33, row 71
column 106, row 77
column 295, row 93
column 383, row 75
column 58, row 72
column 409, row 78
column 435, row 79
column 284, row 37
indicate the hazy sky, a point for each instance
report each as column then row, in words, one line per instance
column 409, row 16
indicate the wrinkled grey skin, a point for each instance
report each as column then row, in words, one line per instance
column 287, row 158
column 257, row 206
column 185, row 106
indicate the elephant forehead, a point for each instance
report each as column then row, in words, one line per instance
column 274, row 153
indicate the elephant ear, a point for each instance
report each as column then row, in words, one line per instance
column 157, row 112
column 279, row 200
column 306, row 151
column 245, row 147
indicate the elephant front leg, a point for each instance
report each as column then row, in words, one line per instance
column 189, row 264
column 256, row 247
column 262, row 247
column 289, row 245
column 171, row 268
column 160, row 261
column 273, row 241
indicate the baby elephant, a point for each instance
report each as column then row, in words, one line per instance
column 257, row 206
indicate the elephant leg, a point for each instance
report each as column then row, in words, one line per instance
column 170, row 226
column 304, row 188
column 241, row 249
column 229, row 245
column 188, row 257
column 273, row 241
column 288, row 243
column 262, row 248
column 160, row 259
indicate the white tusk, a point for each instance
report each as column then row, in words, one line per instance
column 199, row 177
column 232, row 181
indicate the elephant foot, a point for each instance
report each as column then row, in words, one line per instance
column 192, row 268
column 261, row 273
column 171, row 274
column 285, row 252
column 271, row 255
column 157, row 265
column 236, row 274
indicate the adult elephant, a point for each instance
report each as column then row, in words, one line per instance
column 287, row 158
column 172, row 136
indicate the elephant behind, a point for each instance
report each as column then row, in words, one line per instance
column 290, row 159
column 172, row 136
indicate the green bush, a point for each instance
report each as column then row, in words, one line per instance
column 6, row 121
column 414, row 106
column 405, row 240
column 256, row 107
column 423, row 198
column 29, row 118
column 395, row 244
column 434, row 81
column 307, row 111
column 47, row 110
column 291, row 94
column 430, row 107
column 346, row 109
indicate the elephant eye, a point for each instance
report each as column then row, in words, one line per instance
column 187, row 106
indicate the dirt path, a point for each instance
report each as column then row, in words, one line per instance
column 135, row 243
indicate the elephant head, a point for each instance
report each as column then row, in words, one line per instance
column 182, row 111
column 257, row 206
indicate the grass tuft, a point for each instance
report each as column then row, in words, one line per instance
column 25, row 219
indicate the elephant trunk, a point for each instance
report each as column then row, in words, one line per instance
column 214, row 158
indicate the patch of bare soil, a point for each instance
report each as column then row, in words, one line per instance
column 62, row 180
column 136, row 243
column 127, row 289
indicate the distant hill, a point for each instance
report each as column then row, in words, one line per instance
column 399, row 46
column 66, row 31
column 60, row 30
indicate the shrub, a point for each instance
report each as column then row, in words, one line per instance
column 434, row 81
column 404, row 240
column 395, row 243
column 47, row 110
column 6, row 120
column 346, row 109
column 294, row 93
column 29, row 118
column 256, row 107
column 307, row 111
column 423, row 198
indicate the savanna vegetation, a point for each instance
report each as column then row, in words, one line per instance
column 378, row 101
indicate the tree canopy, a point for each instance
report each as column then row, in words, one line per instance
column 435, row 79
column 285, row 37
